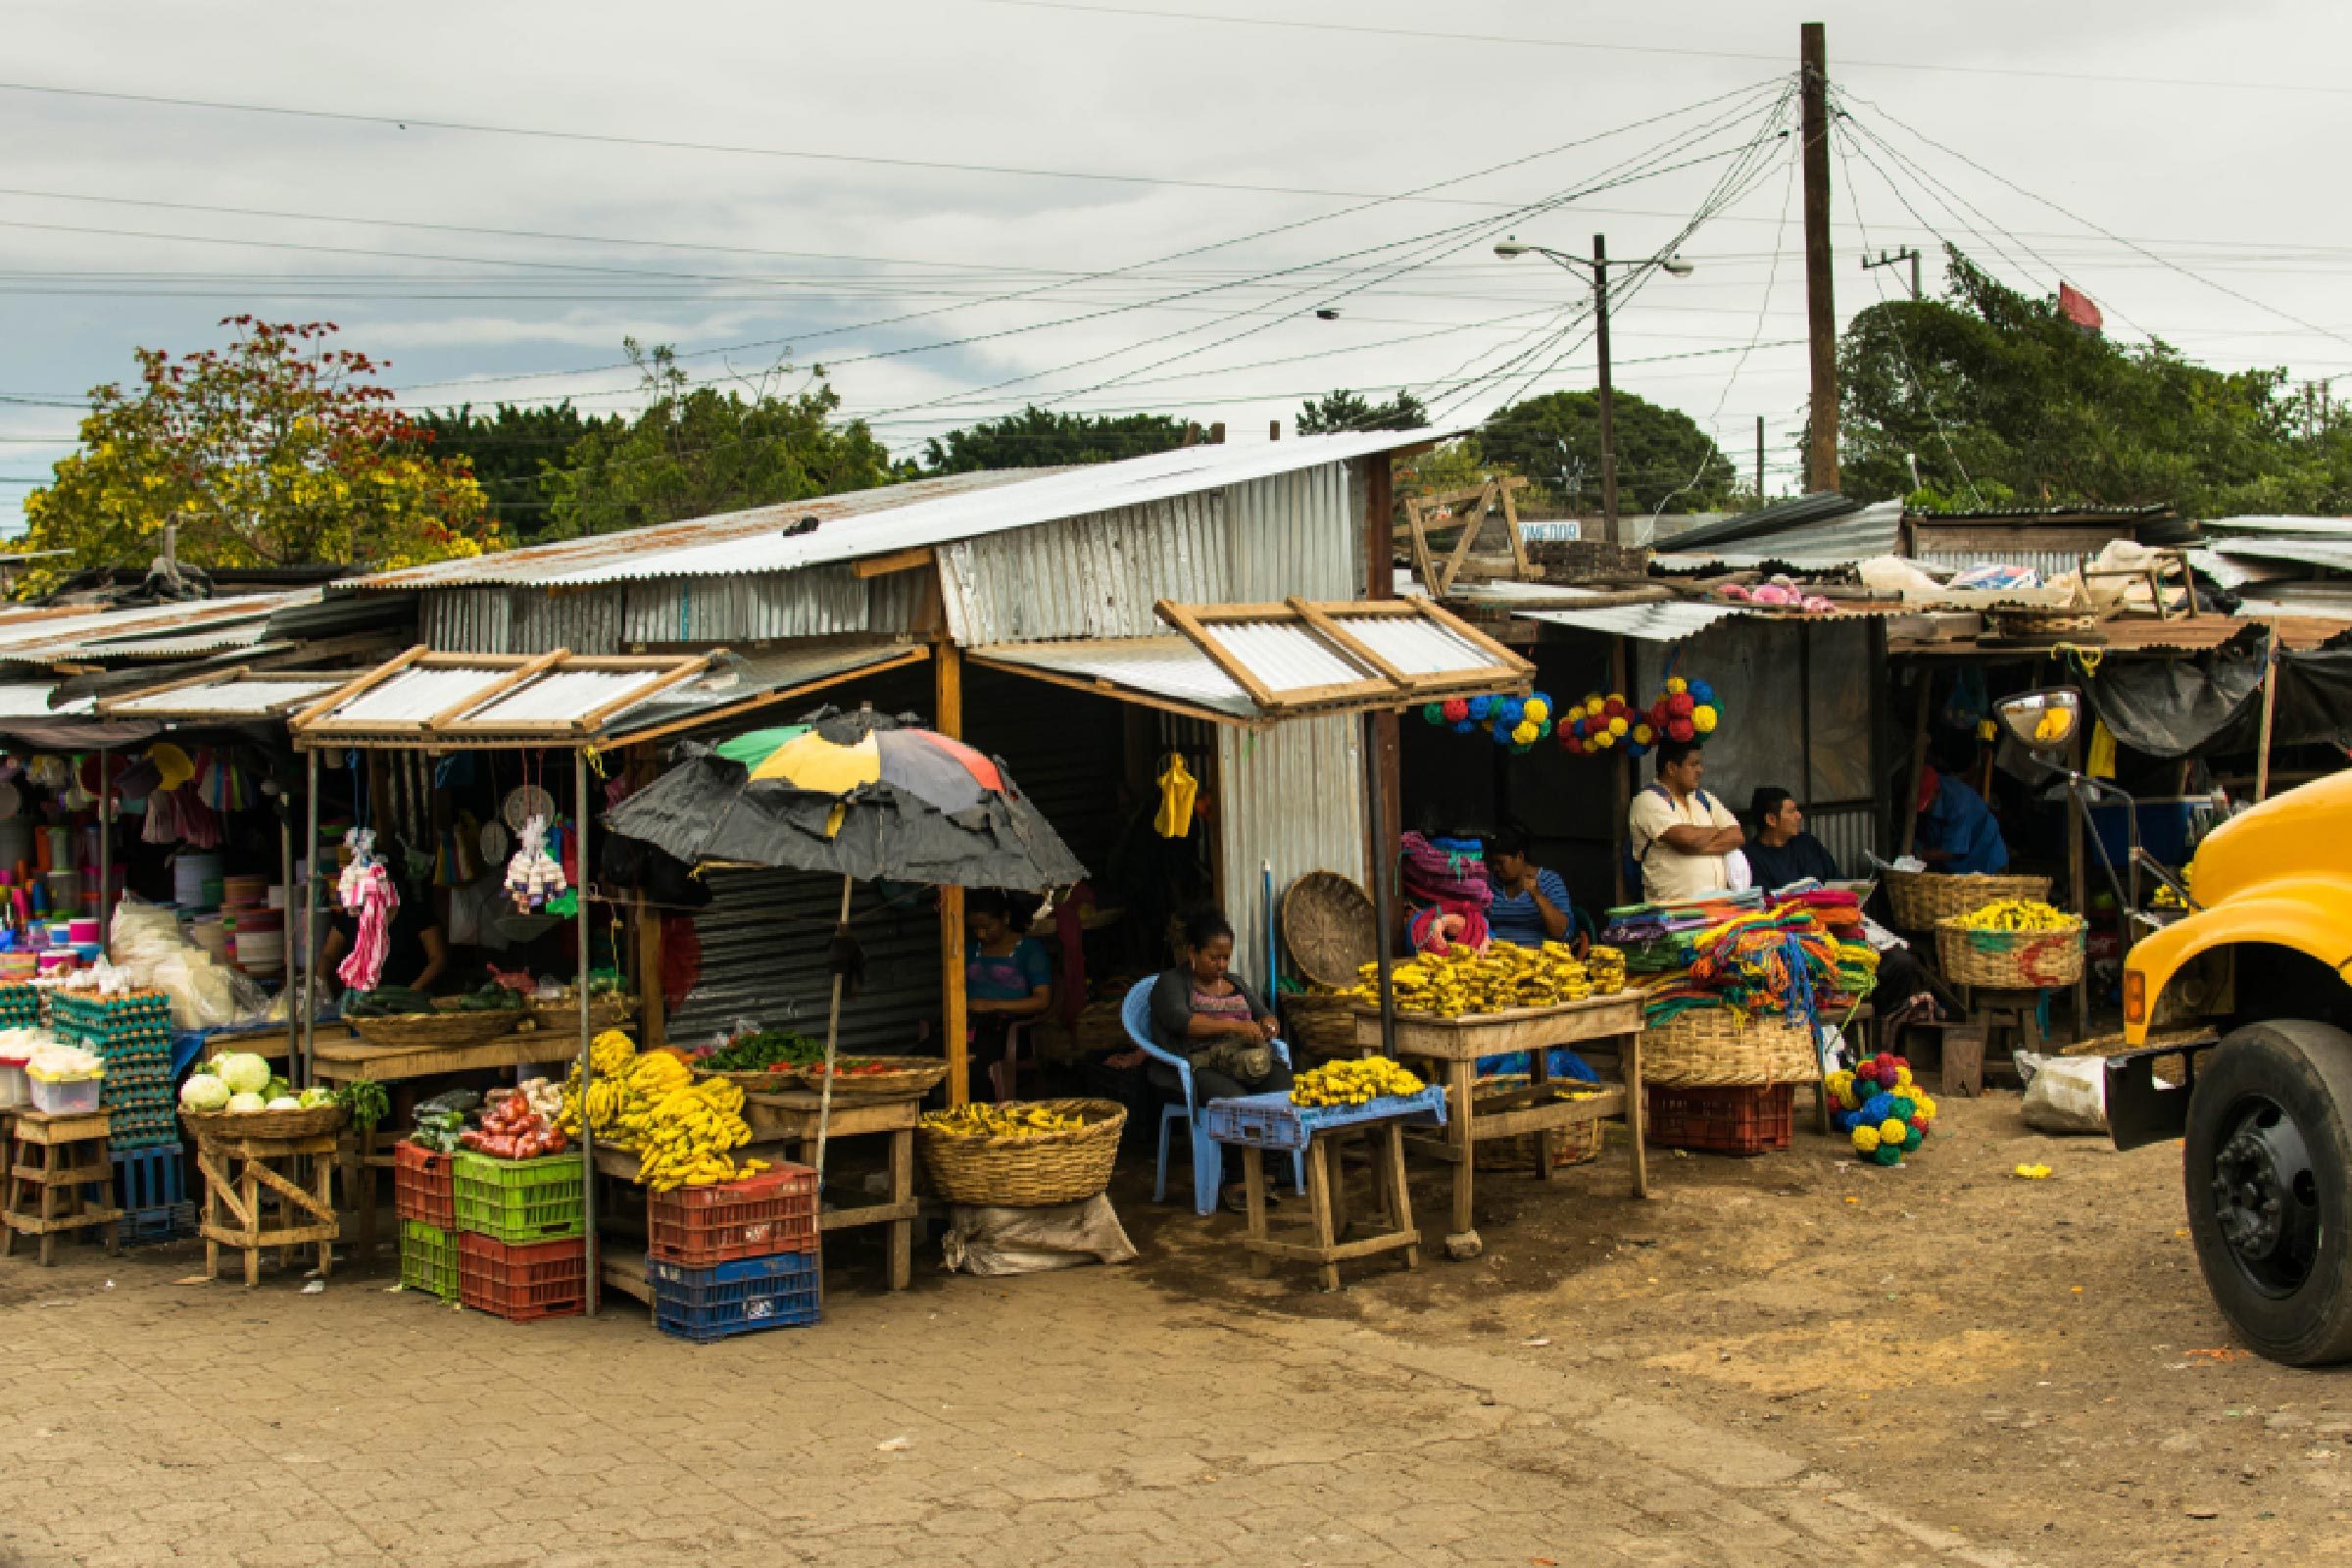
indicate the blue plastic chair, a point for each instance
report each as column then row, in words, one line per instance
column 1208, row 1156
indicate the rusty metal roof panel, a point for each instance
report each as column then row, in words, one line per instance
column 145, row 631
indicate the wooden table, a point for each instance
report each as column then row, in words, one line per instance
column 1327, row 1206
column 344, row 1057
column 1603, row 1026
column 46, row 1181
column 783, row 1125
column 242, row 1184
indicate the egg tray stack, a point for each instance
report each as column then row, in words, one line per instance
column 20, row 1006
column 132, row 1035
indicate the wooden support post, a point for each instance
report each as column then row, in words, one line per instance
column 2270, row 711
column 652, row 1010
column 2077, row 875
column 1621, row 795
column 947, row 676
column 1820, row 309
column 1386, row 764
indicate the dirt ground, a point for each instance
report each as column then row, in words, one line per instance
column 2032, row 1362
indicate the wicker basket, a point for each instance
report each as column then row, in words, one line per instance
column 1724, row 1046
column 1319, row 1026
column 1027, row 1172
column 1577, row 1144
column 908, row 1078
column 2025, row 624
column 1328, row 925
column 445, row 1027
column 2010, row 960
column 1919, row 900
column 226, row 1126
column 604, row 1013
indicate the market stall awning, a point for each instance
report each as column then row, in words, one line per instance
column 235, row 696
column 453, row 701
column 1651, row 623
column 1255, row 664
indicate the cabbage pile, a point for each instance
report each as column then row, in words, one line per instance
column 241, row 1081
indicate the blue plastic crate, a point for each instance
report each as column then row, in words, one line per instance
column 1271, row 1121
column 744, row 1296
column 150, row 1178
column 148, row 1227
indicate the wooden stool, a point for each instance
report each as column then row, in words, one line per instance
column 2016, row 1012
column 1327, row 1206
column 241, row 1185
column 46, row 1181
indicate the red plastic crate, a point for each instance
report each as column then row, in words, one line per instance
column 523, row 1283
column 423, row 1186
column 758, row 1216
column 1750, row 1119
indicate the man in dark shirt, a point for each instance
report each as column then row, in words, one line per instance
column 1780, row 850
column 417, row 948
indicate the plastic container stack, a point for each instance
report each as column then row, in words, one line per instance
column 736, row 1257
column 523, row 1248
column 151, row 1187
column 131, row 1034
column 425, row 1199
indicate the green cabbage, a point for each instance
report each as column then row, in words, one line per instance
column 283, row 1103
column 247, row 1102
column 316, row 1096
column 244, row 1073
column 203, row 1092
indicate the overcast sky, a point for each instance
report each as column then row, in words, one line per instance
column 863, row 186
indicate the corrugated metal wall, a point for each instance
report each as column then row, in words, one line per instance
column 1296, row 533
column 1093, row 576
column 764, row 960
column 819, row 602
column 1848, row 833
column 1293, row 796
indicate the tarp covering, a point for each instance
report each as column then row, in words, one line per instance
column 2182, row 707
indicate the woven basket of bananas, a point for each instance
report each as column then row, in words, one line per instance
column 1577, row 1144
column 1022, row 1154
column 2012, row 945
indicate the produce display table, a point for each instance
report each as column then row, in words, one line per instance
column 783, row 1125
column 242, row 1183
column 343, row 1057
column 51, row 1160
column 1258, row 1122
column 1600, row 1025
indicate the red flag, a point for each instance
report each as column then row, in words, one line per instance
column 2076, row 307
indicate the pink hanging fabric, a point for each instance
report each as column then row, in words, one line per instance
column 376, row 898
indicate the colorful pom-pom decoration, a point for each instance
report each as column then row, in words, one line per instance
column 1454, row 709
column 1702, row 720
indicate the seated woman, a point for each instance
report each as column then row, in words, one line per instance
column 1201, row 1012
column 1008, row 980
column 1530, row 906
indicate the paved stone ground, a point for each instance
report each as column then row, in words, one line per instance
column 1076, row 1418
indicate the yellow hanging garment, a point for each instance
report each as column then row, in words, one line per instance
column 1177, row 791
column 2101, row 762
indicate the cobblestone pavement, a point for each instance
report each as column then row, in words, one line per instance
column 1073, row 1418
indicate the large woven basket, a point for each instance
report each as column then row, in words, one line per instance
column 1918, row 899
column 909, row 1077
column 564, row 1018
column 226, row 1126
column 1576, row 1144
column 2010, row 960
column 1319, row 1026
column 1724, row 1045
column 445, row 1027
column 1327, row 924
column 1027, row 1172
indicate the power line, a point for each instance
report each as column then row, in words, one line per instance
column 1526, row 41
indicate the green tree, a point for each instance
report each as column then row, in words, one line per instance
column 1040, row 438
column 2000, row 398
column 1345, row 411
column 699, row 451
column 276, row 451
column 1663, row 458
column 513, row 450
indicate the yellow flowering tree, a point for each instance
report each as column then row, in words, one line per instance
column 279, row 450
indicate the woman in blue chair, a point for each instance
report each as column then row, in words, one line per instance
column 1201, row 1012
column 1007, row 981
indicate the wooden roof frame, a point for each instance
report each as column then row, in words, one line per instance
column 505, row 673
column 235, row 675
column 1385, row 685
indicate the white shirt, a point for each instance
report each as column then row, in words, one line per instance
column 1668, row 875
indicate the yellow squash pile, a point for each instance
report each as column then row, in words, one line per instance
column 1353, row 1083
column 2016, row 914
column 1500, row 978
column 1018, row 1122
column 681, row 1130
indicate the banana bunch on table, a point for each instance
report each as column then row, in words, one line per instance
column 1503, row 977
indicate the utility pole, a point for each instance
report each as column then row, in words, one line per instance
column 1760, row 459
column 1821, row 301
column 1885, row 259
column 1608, row 426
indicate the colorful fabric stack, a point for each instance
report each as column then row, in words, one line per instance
column 1445, row 871
column 1880, row 1108
column 1749, row 959
column 1839, row 914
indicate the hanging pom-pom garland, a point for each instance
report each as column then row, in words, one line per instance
column 1515, row 723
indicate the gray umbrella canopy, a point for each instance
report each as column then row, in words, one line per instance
column 857, row 795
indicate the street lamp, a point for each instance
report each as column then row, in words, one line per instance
column 1597, row 269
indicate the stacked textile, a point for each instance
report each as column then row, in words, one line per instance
column 1445, row 880
column 1661, row 938
column 1839, row 914
column 1754, row 961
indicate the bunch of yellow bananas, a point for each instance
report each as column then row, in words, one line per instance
column 1607, row 965
column 1018, row 1122
column 1500, row 978
column 681, row 1130
column 1353, row 1083
column 2016, row 914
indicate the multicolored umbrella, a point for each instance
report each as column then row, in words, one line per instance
column 861, row 794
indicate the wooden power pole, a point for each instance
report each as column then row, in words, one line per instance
column 1821, row 303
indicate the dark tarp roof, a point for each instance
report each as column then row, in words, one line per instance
column 2182, row 707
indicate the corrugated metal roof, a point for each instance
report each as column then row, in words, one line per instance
column 232, row 696
column 772, row 674
column 926, row 514
column 1654, row 623
column 2330, row 553
column 2154, row 508
column 2330, row 601
column 1286, row 658
column 157, row 631
column 2305, row 527
column 1168, row 668
column 1781, row 516
column 29, row 699
column 488, row 704
column 1845, row 540
column 1415, row 647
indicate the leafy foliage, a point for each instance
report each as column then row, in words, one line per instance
column 1663, row 458
column 513, row 450
column 697, row 450
column 276, row 451
column 1040, row 438
column 2004, row 401
column 1344, row 411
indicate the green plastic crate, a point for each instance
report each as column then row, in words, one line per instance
column 521, row 1201
column 428, row 1259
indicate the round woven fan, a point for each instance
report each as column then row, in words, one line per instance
column 1327, row 924
column 524, row 802
column 494, row 843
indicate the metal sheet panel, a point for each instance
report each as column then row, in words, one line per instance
column 1653, row 623
column 1286, row 659
column 413, row 695
column 1097, row 575
column 235, row 696
column 2334, row 553
column 1848, row 832
column 2216, row 528
column 1296, row 533
column 763, row 940
column 1415, row 646
column 29, row 699
column 562, row 697
column 1157, row 666
column 1292, row 798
